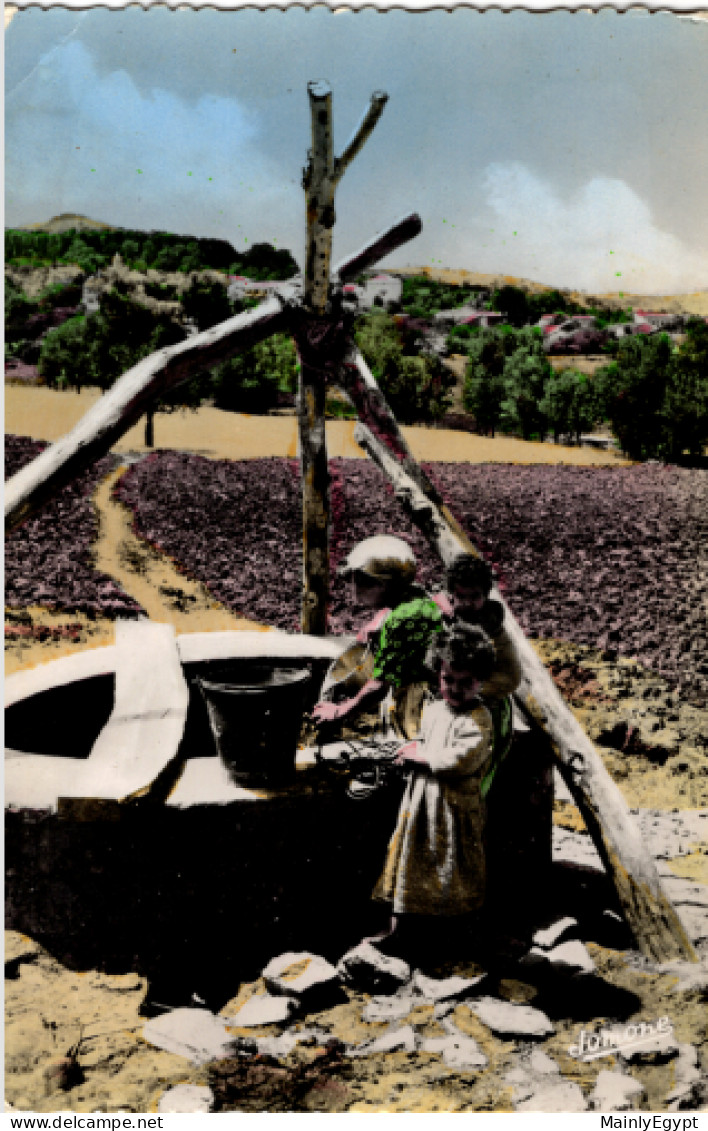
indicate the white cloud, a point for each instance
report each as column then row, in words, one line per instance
column 76, row 141
column 601, row 239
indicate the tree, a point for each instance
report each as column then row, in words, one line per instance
column 253, row 381
column 512, row 301
column 416, row 387
column 685, row 408
column 206, row 303
column 62, row 357
column 484, row 380
column 568, row 403
column 632, row 393
column 525, row 374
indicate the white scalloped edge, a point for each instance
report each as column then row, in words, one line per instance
column 684, row 9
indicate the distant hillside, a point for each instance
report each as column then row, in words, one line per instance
column 67, row 222
column 694, row 303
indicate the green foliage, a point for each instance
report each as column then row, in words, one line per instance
column 632, row 394
column 18, row 309
column 206, row 304
column 526, row 371
column 568, row 403
column 92, row 249
column 416, row 387
column 99, row 349
column 513, row 302
column 422, row 297
column 686, row 401
column 252, row 381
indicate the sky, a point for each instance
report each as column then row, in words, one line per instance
column 567, row 148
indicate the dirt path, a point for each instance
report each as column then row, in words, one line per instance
column 151, row 578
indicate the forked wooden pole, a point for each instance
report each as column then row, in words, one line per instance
column 650, row 914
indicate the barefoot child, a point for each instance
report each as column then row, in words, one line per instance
column 435, row 863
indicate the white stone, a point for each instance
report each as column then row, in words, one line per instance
column 614, row 1091
column 556, row 933
column 687, row 1075
column 465, row 1055
column 368, row 969
column 186, row 1099
column 264, row 1009
column 395, row 1040
column 541, row 1064
column 444, row 989
column 318, row 975
column 571, row 957
column 193, row 1033
column 555, row 1095
column 393, row 1008
column 508, row 1020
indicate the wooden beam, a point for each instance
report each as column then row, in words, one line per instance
column 650, row 914
column 358, row 139
column 129, row 398
column 319, row 183
column 400, row 232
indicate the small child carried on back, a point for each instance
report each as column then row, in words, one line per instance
column 435, row 862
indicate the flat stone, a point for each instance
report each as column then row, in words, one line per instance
column 300, row 975
column 264, row 1009
column 614, row 1091
column 571, row 957
column 368, row 969
column 446, row 989
column 395, row 1040
column 282, row 1045
column 508, row 1020
column 393, row 1008
column 555, row 1095
column 193, row 1033
column 457, row 1049
column 687, row 1077
column 558, row 932
column 541, row 1064
column 186, row 1099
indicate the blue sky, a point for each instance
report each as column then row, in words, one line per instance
column 567, row 148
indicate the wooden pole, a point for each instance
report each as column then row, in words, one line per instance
column 319, row 183
column 128, row 399
column 650, row 914
column 400, row 232
column 320, row 179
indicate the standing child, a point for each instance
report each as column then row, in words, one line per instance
column 435, row 864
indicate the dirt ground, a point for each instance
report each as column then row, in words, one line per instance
column 49, row 1007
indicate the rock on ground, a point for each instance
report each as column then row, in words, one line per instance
column 193, row 1033
column 614, row 1091
column 366, row 968
column 394, row 1040
column 186, row 1099
column 264, row 1009
column 301, row 975
column 508, row 1020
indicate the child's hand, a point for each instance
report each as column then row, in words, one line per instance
column 409, row 753
column 328, row 712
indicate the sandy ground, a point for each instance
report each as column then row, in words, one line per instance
column 49, row 1007
column 45, row 414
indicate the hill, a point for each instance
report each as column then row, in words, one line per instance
column 694, row 303
column 67, row 222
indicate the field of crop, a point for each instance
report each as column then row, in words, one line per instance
column 609, row 558
column 48, row 561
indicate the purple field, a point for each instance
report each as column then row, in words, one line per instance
column 604, row 557
column 47, row 560
column 610, row 558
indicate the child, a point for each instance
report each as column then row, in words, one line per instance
column 435, row 863
column 382, row 570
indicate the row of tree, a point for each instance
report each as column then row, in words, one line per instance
column 654, row 396
column 93, row 249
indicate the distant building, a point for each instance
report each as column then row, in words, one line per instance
column 659, row 320
column 381, row 290
column 485, row 318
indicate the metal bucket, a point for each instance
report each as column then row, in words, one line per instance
column 256, row 723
